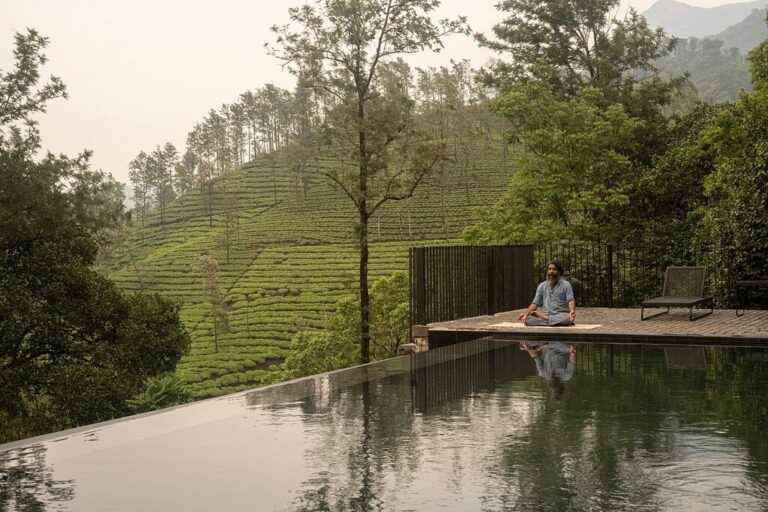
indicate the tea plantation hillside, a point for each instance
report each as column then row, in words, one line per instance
column 286, row 252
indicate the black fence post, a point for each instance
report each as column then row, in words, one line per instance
column 411, row 282
column 490, row 279
column 422, row 286
column 609, row 272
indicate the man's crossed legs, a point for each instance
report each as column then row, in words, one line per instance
column 535, row 320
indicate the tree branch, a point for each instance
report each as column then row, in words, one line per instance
column 342, row 186
column 399, row 197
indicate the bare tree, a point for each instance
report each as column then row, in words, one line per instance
column 162, row 165
column 140, row 175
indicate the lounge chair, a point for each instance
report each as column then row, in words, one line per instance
column 683, row 288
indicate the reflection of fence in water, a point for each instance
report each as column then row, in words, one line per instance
column 447, row 373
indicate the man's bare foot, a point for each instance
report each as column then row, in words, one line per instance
column 540, row 315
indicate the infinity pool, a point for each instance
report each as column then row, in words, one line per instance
column 485, row 425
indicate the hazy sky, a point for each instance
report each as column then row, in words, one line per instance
column 142, row 72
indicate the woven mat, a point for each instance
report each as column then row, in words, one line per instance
column 520, row 325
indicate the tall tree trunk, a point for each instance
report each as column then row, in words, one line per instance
column 274, row 177
column 162, row 217
column 503, row 151
column 184, row 216
column 143, row 215
column 210, row 203
column 410, row 231
column 250, row 139
column 442, row 208
column 365, row 334
column 139, row 272
column 466, row 177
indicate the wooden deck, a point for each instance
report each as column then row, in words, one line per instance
column 614, row 325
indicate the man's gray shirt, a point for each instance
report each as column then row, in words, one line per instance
column 554, row 300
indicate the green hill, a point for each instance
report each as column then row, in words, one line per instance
column 746, row 34
column 286, row 254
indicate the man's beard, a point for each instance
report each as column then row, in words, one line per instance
column 552, row 278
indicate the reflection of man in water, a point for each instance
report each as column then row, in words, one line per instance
column 555, row 362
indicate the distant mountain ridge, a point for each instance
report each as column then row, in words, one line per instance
column 746, row 34
column 682, row 20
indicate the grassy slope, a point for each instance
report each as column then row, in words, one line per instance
column 290, row 260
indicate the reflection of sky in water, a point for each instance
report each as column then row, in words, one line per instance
column 630, row 435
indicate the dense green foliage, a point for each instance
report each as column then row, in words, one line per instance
column 668, row 193
column 314, row 352
column 73, row 347
column 588, row 106
column 758, row 64
column 734, row 221
column 573, row 174
column 159, row 392
column 334, row 347
column 692, row 185
column 575, row 45
column 389, row 316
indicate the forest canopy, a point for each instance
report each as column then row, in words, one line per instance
column 73, row 347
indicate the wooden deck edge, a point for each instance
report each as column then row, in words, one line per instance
column 444, row 337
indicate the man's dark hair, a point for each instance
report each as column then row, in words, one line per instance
column 556, row 264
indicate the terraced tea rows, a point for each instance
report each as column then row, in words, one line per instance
column 285, row 256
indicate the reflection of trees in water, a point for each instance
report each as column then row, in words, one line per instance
column 373, row 443
column 578, row 458
column 365, row 431
column 600, row 447
column 621, row 418
column 731, row 386
column 27, row 484
column 736, row 392
column 362, row 460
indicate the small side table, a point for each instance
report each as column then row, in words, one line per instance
column 741, row 291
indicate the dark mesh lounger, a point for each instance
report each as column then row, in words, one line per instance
column 683, row 288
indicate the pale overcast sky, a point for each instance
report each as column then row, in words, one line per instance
column 142, row 72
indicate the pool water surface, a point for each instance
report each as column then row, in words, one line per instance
column 484, row 425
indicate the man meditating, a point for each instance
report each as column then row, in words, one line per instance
column 554, row 303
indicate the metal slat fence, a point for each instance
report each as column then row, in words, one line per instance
column 610, row 275
column 447, row 283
